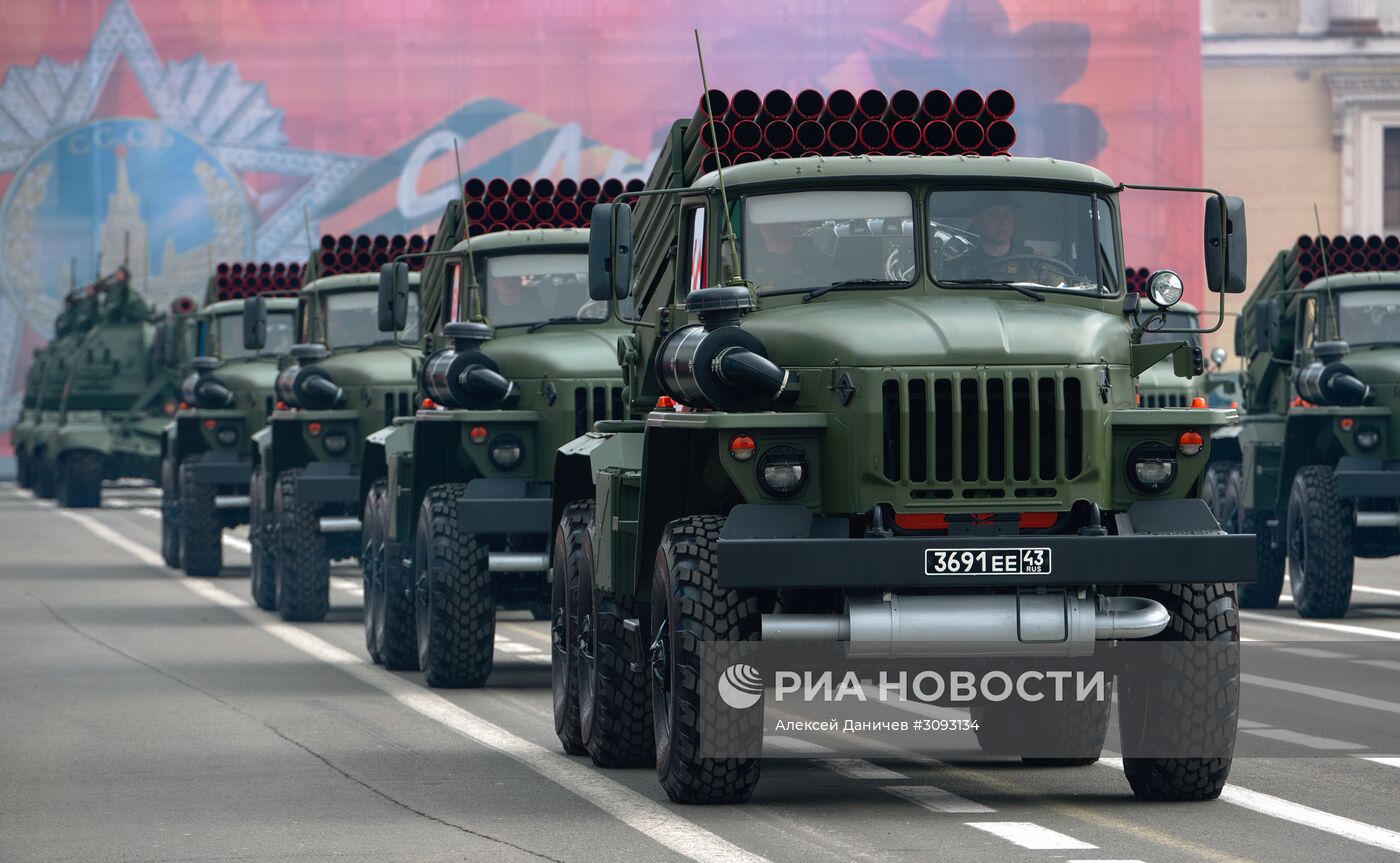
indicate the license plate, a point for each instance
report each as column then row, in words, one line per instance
column 987, row 561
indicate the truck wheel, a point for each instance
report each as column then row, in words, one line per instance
column 44, row 480
column 1182, row 695
column 688, row 608
column 261, row 560
column 372, row 565
column 394, row 627
column 201, row 531
column 80, row 479
column 455, row 605
column 169, row 515
column 1269, row 556
column 303, row 571
column 574, row 524
column 1320, row 554
column 1073, row 731
column 614, row 701
column 24, row 472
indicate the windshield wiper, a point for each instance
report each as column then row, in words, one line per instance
column 539, row 325
column 1023, row 287
column 849, row 283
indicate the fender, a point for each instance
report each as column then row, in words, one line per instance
column 580, row 461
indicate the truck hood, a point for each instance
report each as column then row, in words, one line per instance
column 939, row 330
column 382, row 365
column 249, row 375
column 1375, row 366
column 561, row 351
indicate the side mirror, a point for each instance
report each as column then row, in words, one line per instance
column 393, row 297
column 1226, row 249
column 254, row 323
column 610, row 252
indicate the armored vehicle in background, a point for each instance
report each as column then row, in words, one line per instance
column 344, row 379
column 1313, row 469
column 520, row 360
column 904, row 422
column 225, row 398
column 48, row 376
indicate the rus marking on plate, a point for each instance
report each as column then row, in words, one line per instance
column 987, row 561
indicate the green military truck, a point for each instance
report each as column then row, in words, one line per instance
column 1159, row 386
column 458, row 495
column 119, row 390
column 206, row 450
column 1313, row 468
column 344, row 378
column 893, row 439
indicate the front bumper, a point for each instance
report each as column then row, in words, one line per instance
column 223, row 469
column 506, row 506
column 329, row 482
column 1363, row 476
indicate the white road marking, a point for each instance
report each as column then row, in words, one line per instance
column 641, row 813
column 1380, row 591
column 1297, row 813
column 1315, row 653
column 1322, row 624
column 1031, row 836
column 859, row 768
column 1387, row 664
column 1334, row 695
column 352, row 586
column 1249, row 723
column 515, row 647
column 793, row 744
column 1297, row 737
column 1387, row 760
column 935, row 799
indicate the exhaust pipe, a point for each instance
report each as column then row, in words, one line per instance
column 1048, row 624
column 518, row 561
column 232, row 501
column 339, row 524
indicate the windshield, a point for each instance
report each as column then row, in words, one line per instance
column 1369, row 317
column 1051, row 240
column 352, row 320
column 280, row 331
column 539, row 286
column 1174, row 321
column 805, row 240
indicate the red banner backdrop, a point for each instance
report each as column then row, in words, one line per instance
column 171, row 134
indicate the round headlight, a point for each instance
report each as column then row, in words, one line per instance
column 506, row 452
column 335, row 442
column 226, row 435
column 1367, row 437
column 1152, row 467
column 1165, row 288
column 782, row 471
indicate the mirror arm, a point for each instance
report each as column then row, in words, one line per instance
column 1224, row 259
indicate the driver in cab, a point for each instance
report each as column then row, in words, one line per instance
column 996, row 255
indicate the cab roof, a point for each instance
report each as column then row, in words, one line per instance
column 1354, row 281
column 350, row 281
column 497, row 240
column 225, row 307
column 997, row 169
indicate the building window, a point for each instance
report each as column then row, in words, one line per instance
column 1391, row 157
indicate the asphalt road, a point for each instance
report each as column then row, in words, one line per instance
column 148, row 716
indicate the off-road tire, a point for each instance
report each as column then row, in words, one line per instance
column 689, row 607
column 372, row 565
column 302, row 568
column 201, row 530
column 1185, row 698
column 614, row 701
column 394, row 627
column 24, row 471
column 455, row 605
column 169, row 514
column 1321, row 558
column 1073, row 729
column 262, row 581
column 565, row 561
column 80, row 479
column 45, row 483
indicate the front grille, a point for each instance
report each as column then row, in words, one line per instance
column 982, row 429
column 593, row 403
column 396, row 406
column 1166, row 400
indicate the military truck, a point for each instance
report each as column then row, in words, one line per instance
column 344, row 379
column 22, row 432
column 118, row 392
column 865, row 425
column 1313, row 469
column 457, row 506
column 77, row 317
column 226, row 396
column 1159, row 386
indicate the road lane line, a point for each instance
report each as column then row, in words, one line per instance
column 859, row 768
column 1379, row 591
column 1032, row 836
column 1335, row 695
column 1283, row 735
column 1388, row 761
column 1387, row 664
column 1315, row 653
column 1287, row 810
column 1321, row 624
column 935, row 799
column 641, row 813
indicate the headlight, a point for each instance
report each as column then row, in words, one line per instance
column 782, row 471
column 1165, row 288
column 1152, row 467
column 226, row 435
column 506, row 452
column 1367, row 437
column 336, row 442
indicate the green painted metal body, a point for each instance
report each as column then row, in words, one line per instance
column 902, row 396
